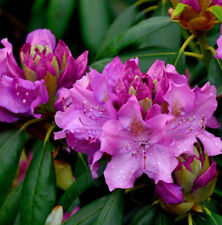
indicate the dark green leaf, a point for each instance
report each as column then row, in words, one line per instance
column 77, row 188
column 11, row 146
column 39, row 190
column 215, row 74
column 112, row 212
column 37, row 15
column 132, row 35
column 162, row 218
column 88, row 214
column 58, row 15
column 144, row 216
column 9, row 210
column 206, row 219
column 122, row 23
column 94, row 22
column 167, row 37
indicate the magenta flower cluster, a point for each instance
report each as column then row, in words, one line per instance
column 142, row 121
column 45, row 69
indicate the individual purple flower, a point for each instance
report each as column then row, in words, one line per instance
column 45, row 70
column 219, row 44
column 195, row 178
column 193, row 111
column 135, row 147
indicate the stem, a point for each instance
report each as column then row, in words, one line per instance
column 190, row 221
column 193, row 54
column 217, row 22
column 29, row 122
column 140, row 186
column 83, row 160
column 151, row 8
column 185, row 44
column 143, row 1
column 202, row 38
column 49, row 132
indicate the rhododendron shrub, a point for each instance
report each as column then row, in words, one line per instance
column 127, row 132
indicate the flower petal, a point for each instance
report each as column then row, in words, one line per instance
column 41, row 37
column 122, row 170
column 170, row 193
column 212, row 144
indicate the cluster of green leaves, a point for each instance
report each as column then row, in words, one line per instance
column 142, row 30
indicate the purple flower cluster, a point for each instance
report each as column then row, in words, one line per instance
column 144, row 121
column 45, row 70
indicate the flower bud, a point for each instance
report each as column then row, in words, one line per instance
column 195, row 179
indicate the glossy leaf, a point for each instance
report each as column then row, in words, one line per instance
column 10, row 208
column 76, row 189
column 94, row 22
column 167, row 37
column 38, row 14
column 112, row 212
column 132, row 35
column 145, row 216
column 58, row 15
column 39, row 191
column 11, row 146
column 88, row 214
column 214, row 74
column 122, row 23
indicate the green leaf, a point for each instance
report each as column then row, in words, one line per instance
column 208, row 219
column 94, row 22
column 162, row 218
column 217, row 11
column 88, row 214
column 112, row 212
column 11, row 146
column 132, row 35
column 39, row 190
column 122, row 23
column 144, row 216
column 167, row 37
column 58, row 15
column 215, row 74
column 38, row 15
column 10, row 208
column 77, row 188
column 178, row 10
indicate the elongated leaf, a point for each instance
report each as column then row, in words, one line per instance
column 144, row 216
column 162, row 218
column 132, row 35
column 205, row 219
column 9, row 210
column 11, row 145
column 88, row 214
column 122, row 23
column 37, row 15
column 112, row 212
column 58, row 15
column 94, row 22
column 77, row 188
column 214, row 74
column 167, row 37
column 39, row 191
